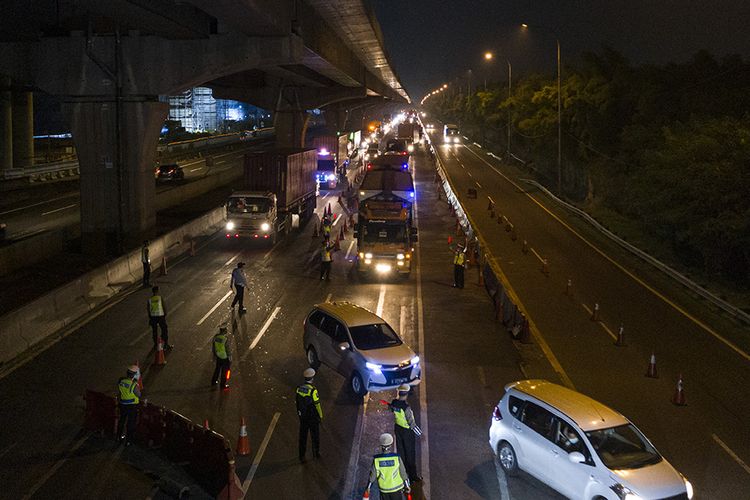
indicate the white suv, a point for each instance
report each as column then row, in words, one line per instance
column 579, row 447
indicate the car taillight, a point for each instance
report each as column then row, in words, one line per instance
column 496, row 413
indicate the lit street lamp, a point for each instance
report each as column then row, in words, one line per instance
column 488, row 56
column 559, row 111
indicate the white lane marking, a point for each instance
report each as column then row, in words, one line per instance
column 478, row 185
column 349, row 250
column 491, row 200
column 336, row 218
column 220, row 161
column 259, row 454
column 328, row 297
column 622, row 268
column 469, row 174
column 423, row 422
column 324, row 196
column 265, row 327
column 537, row 255
column 731, row 453
column 601, row 323
column 55, row 468
column 170, row 311
column 196, row 169
column 40, row 203
column 351, row 476
column 200, row 322
column 60, row 209
column 381, row 301
column 477, row 144
column 232, row 259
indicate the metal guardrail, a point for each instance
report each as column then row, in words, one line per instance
column 671, row 272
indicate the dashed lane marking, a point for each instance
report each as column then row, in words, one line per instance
column 200, row 322
column 731, row 453
column 264, row 328
column 349, row 250
column 491, row 200
column 478, row 185
column 40, row 203
column 60, row 209
column 259, row 454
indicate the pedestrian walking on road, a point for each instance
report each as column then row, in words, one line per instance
column 459, row 264
column 128, row 397
column 388, row 471
column 406, row 431
column 157, row 318
column 310, row 415
column 238, row 282
column 223, row 356
column 326, row 260
column 146, row 261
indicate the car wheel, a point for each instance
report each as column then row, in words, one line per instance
column 358, row 385
column 312, row 357
column 507, row 457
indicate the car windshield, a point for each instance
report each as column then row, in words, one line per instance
column 451, row 131
column 241, row 205
column 375, row 336
column 623, row 447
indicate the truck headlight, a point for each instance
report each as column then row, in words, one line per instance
column 688, row 488
column 265, row 226
column 230, row 225
column 373, row 367
column 331, row 177
column 400, row 256
column 368, row 255
column 383, row 268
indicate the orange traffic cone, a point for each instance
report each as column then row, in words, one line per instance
column 140, row 377
column 329, row 208
column 341, row 233
column 205, row 424
column 159, row 355
column 450, row 239
column 243, row 442
column 366, row 495
column 651, row 370
column 679, row 395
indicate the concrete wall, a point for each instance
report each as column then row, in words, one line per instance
column 43, row 318
column 175, row 196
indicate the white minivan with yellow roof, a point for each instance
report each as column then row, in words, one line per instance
column 578, row 446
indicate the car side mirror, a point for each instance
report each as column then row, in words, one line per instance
column 344, row 346
column 576, row 457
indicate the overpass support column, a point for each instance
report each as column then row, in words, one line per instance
column 6, row 124
column 117, row 170
column 290, row 128
column 23, row 128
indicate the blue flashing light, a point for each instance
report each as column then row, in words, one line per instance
column 405, row 166
column 411, row 194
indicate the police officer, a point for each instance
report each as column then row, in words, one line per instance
column 327, row 227
column 326, row 260
column 459, row 263
column 404, row 429
column 146, row 261
column 157, row 318
column 223, row 356
column 128, row 397
column 388, row 470
column 310, row 415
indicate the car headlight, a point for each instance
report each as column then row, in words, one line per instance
column 331, row 177
column 414, row 360
column 410, row 148
column 400, row 256
column 265, row 226
column 624, row 493
column 456, row 140
column 230, row 225
column 688, row 488
column 368, row 255
column 373, row 367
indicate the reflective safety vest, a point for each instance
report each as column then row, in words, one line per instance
column 398, row 408
column 325, row 254
column 127, row 391
column 155, row 306
column 459, row 259
column 220, row 346
column 308, row 402
column 387, row 469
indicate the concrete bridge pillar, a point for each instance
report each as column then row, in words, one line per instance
column 290, row 128
column 23, row 128
column 117, row 170
column 6, row 124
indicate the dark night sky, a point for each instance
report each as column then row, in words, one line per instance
column 433, row 41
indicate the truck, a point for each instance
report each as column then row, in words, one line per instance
column 278, row 195
column 405, row 132
column 451, row 134
column 385, row 229
column 331, row 154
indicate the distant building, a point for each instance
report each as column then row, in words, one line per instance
column 198, row 111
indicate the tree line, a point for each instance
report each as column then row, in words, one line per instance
column 664, row 148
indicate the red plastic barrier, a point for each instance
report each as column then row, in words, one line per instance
column 178, row 440
column 151, row 425
column 210, row 463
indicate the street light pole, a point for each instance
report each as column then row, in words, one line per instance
column 510, row 79
column 559, row 123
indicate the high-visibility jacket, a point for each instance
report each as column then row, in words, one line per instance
column 388, row 474
column 307, row 398
column 399, row 408
column 459, row 259
column 325, row 254
column 155, row 306
column 220, row 346
column 128, row 388
column 327, row 228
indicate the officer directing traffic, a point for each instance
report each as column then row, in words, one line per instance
column 406, row 431
column 128, row 397
column 223, row 356
column 157, row 318
column 459, row 263
column 310, row 415
column 388, row 470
